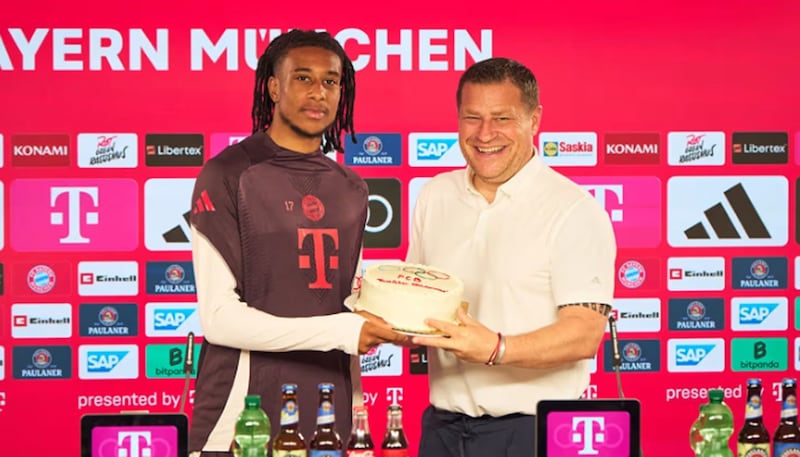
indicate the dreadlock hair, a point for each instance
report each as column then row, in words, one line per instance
column 264, row 107
column 497, row 70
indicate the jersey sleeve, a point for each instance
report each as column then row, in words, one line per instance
column 583, row 256
column 225, row 318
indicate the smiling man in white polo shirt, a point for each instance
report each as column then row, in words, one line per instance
column 536, row 254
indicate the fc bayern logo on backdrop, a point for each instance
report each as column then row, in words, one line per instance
column 631, row 274
column 41, row 279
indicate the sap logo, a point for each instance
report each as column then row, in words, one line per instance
column 691, row 355
column 434, row 150
column 755, row 313
column 171, row 319
column 104, row 362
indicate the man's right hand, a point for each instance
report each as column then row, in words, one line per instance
column 376, row 331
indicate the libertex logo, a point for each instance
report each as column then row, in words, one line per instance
column 634, row 205
column 49, row 215
column 727, row 211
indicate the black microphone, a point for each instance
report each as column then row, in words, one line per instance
column 188, row 360
column 188, row 367
column 616, row 359
column 612, row 325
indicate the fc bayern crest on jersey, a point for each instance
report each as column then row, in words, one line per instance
column 631, row 274
column 41, row 279
column 174, row 274
column 313, row 207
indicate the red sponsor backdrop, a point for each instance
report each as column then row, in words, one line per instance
column 161, row 68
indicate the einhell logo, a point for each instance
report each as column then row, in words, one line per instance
column 632, row 149
column 40, row 150
column 173, row 150
column 762, row 147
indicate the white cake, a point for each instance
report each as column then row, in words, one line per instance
column 405, row 294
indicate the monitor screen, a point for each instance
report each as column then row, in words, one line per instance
column 600, row 428
column 134, row 435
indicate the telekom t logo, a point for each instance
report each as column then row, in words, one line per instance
column 134, row 449
column 394, row 395
column 583, row 433
column 600, row 193
column 56, row 215
column 318, row 252
column 73, row 221
column 633, row 204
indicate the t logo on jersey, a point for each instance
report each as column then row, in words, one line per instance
column 74, row 215
column 314, row 241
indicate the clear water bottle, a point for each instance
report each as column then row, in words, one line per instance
column 251, row 434
column 717, row 427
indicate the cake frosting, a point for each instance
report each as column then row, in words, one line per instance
column 405, row 294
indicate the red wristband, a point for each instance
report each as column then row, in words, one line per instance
column 493, row 357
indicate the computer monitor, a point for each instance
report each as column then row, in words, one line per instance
column 596, row 427
column 134, row 435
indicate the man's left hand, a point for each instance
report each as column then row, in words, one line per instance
column 468, row 340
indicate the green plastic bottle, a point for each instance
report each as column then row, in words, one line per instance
column 717, row 427
column 251, row 435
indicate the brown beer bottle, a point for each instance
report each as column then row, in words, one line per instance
column 787, row 436
column 360, row 443
column 753, row 438
column 289, row 442
column 325, row 442
column 394, row 443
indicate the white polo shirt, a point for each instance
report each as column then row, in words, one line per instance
column 543, row 242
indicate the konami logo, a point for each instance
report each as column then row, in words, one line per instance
column 45, row 150
column 632, row 149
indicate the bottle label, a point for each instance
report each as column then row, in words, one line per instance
column 752, row 450
column 296, row 453
column 394, row 452
column 789, row 406
column 754, row 409
column 328, row 453
column 786, row 450
column 289, row 414
column 360, row 453
column 325, row 413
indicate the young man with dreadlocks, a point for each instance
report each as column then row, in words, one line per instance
column 277, row 229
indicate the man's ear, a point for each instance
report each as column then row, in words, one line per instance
column 273, row 86
column 536, row 119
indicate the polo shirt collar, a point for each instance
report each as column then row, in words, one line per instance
column 516, row 184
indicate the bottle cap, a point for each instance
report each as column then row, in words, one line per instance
column 252, row 401
column 289, row 388
column 716, row 395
